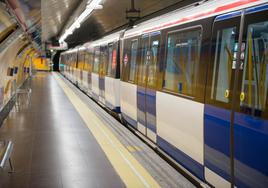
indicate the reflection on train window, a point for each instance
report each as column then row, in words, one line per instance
column 145, row 54
column 133, row 60
column 153, row 63
column 225, row 54
column 110, row 71
column 96, row 60
column 255, row 75
column 80, row 60
column 103, row 60
column 182, row 60
column 89, row 60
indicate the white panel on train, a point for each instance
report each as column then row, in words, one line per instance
column 85, row 80
column 216, row 180
column 95, row 84
column 180, row 122
column 112, row 87
column 129, row 99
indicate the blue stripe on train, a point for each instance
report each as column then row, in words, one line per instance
column 187, row 162
column 146, row 103
column 251, row 151
column 112, row 107
column 89, row 79
column 228, row 15
column 257, row 9
column 101, row 84
column 217, row 140
column 151, row 109
column 130, row 121
column 141, row 106
column 250, row 146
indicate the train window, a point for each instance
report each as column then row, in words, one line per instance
column 86, row 61
column 81, row 60
column 145, row 54
column 152, row 68
column 255, row 75
column 96, row 60
column 103, row 60
column 111, row 69
column 183, row 53
column 225, row 55
column 91, row 60
column 133, row 60
column 125, row 60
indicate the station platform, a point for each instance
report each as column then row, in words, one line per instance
column 63, row 139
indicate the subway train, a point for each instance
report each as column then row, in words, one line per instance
column 194, row 82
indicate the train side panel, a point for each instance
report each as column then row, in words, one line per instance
column 128, row 99
column 112, row 94
column 95, row 86
column 180, row 130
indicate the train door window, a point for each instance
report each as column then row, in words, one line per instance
column 154, row 57
column 125, row 60
column 183, row 54
column 103, row 60
column 224, row 64
column 254, row 91
column 96, row 60
column 133, row 60
column 145, row 54
column 91, row 61
column 86, row 61
column 112, row 60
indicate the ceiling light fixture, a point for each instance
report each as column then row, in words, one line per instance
column 91, row 5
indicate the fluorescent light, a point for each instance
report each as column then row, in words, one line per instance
column 91, row 5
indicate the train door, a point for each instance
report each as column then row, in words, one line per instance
column 146, row 92
column 250, row 129
column 102, row 72
column 219, row 94
column 235, row 120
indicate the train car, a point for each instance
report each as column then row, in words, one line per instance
column 194, row 82
column 106, row 72
column 69, row 62
column 95, row 68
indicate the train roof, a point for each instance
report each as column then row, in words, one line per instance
column 105, row 40
column 194, row 12
column 189, row 14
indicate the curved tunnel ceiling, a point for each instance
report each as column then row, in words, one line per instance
column 101, row 21
column 55, row 14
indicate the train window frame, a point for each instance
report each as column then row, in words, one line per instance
column 112, row 73
column 93, row 69
column 169, row 31
column 124, row 66
column 258, row 112
column 218, row 25
column 103, row 60
column 152, row 36
column 141, row 68
column 130, row 59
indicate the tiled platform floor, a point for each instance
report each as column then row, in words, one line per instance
column 52, row 146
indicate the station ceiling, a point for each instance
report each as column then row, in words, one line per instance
column 58, row 15
column 52, row 17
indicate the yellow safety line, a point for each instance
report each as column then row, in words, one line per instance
column 128, row 168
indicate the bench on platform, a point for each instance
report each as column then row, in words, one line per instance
column 6, row 148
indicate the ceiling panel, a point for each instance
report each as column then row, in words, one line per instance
column 58, row 15
column 55, row 14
